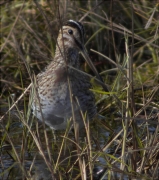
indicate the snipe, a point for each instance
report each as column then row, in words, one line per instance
column 62, row 79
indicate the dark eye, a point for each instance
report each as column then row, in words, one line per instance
column 70, row 31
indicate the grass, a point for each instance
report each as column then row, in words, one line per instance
column 123, row 43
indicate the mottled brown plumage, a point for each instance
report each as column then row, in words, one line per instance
column 53, row 89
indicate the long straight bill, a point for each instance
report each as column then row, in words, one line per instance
column 91, row 65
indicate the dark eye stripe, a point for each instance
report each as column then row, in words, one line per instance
column 78, row 26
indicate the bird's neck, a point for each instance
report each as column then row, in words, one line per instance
column 61, row 64
column 67, row 56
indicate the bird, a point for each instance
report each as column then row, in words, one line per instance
column 62, row 89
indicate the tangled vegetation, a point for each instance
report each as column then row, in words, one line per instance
column 122, row 39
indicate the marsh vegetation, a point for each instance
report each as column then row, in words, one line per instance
column 122, row 39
